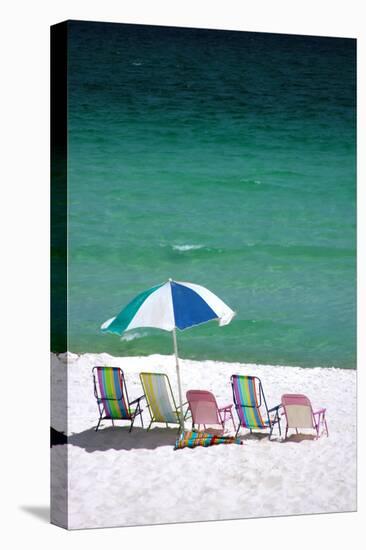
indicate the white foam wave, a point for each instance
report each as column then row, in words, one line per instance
column 187, row 247
column 129, row 336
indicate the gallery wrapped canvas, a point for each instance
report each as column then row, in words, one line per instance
column 203, row 270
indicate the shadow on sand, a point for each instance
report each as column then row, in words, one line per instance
column 119, row 438
column 255, row 436
column 297, row 438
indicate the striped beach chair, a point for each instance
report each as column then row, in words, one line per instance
column 160, row 398
column 112, row 398
column 251, row 406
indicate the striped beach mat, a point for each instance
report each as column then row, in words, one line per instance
column 202, row 439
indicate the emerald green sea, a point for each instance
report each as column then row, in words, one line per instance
column 225, row 159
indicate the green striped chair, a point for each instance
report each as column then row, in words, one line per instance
column 112, row 398
column 160, row 398
column 251, row 406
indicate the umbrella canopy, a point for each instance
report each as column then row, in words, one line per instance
column 169, row 306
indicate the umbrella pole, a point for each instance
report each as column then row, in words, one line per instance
column 178, row 377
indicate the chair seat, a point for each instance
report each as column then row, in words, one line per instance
column 125, row 417
column 260, row 426
column 171, row 417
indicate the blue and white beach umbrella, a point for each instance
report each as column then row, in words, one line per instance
column 170, row 306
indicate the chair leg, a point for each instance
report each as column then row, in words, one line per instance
column 112, row 422
column 279, row 423
column 237, row 431
column 96, row 429
column 149, row 426
column 138, row 411
column 317, row 429
column 323, row 421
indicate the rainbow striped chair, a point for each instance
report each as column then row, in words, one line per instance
column 112, row 398
column 251, row 406
column 160, row 398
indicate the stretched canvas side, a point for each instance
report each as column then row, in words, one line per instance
column 59, row 396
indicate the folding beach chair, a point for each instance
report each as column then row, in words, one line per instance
column 204, row 410
column 112, row 398
column 251, row 406
column 299, row 414
column 160, row 398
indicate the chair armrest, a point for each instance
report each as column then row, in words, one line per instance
column 275, row 408
column 187, row 410
column 320, row 411
column 226, row 407
column 137, row 399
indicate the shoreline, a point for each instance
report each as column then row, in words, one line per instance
column 73, row 356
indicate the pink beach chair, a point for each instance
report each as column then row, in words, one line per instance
column 299, row 414
column 204, row 410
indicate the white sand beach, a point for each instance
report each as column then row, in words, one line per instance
column 117, row 478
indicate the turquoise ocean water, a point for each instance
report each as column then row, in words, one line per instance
column 226, row 159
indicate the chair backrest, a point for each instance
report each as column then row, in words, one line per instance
column 298, row 410
column 159, row 395
column 110, row 389
column 203, row 407
column 249, row 400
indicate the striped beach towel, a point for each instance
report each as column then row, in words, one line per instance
column 202, row 439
